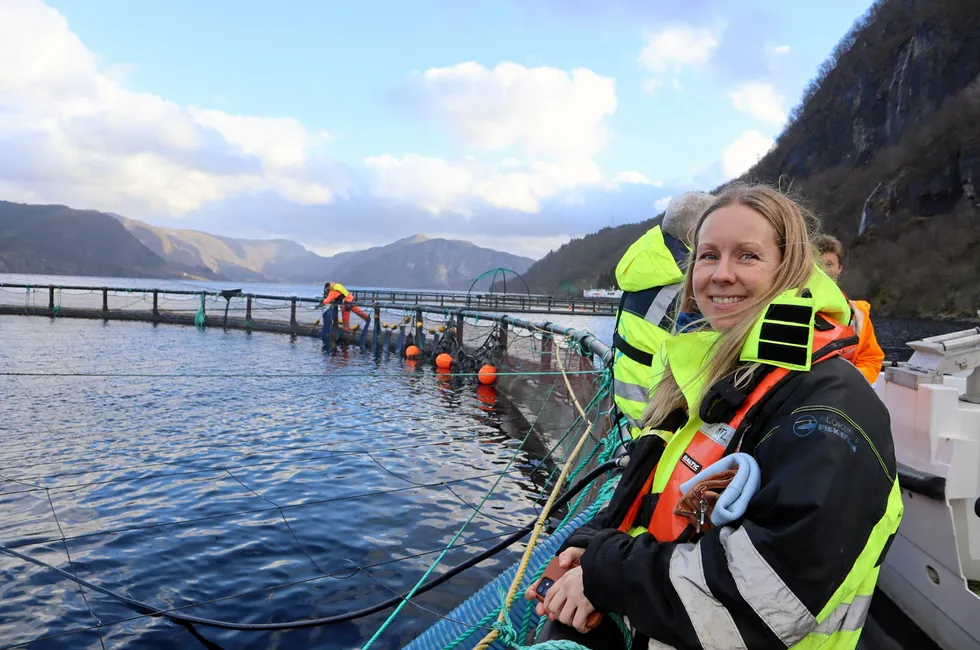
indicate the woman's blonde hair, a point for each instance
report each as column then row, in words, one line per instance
column 793, row 225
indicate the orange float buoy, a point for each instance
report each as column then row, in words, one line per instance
column 411, row 352
column 487, row 375
column 444, row 361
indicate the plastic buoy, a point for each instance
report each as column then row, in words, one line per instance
column 487, row 375
column 444, row 361
column 411, row 352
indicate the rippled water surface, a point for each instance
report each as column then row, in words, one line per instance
column 242, row 498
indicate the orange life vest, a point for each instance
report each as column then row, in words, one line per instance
column 712, row 440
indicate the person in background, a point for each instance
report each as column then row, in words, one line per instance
column 336, row 292
column 764, row 386
column 869, row 356
column 650, row 274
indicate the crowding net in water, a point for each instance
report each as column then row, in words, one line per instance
column 85, row 439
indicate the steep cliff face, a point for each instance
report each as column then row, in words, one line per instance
column 886, row 146
column 888, row 75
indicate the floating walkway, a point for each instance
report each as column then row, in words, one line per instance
column 394, row 326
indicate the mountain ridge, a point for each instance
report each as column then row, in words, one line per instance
column 57, row 239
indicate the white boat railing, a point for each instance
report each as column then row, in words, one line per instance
column 934, row 404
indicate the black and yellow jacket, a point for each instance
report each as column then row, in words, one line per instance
column 798, row 570
column 651, row 276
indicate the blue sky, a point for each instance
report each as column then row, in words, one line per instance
column 512, row 124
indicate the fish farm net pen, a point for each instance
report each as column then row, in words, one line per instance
column 530, row 351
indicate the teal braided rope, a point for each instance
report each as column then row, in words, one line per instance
column 200, row 318
column 510, row 636
column 484, row 622
column 604, row 449
column 452, row 542
column 607, row 450
column 604, row 495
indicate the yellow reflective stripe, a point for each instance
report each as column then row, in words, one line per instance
column 846, row 616
column 713, row 623
column 631, row 391
column 661, row 304
column 764, row 591
column 864, row 574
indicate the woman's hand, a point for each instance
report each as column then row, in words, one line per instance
column 566, row 601
column 566, row 559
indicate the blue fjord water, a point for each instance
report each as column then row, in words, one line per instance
column 323, row 490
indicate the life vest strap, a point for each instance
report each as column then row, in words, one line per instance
column 714, row 439
column 631, row 351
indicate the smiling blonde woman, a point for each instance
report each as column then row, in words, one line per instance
column 758, row 398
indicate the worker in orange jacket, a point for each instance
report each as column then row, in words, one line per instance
column 333, row 292
column 868, row 357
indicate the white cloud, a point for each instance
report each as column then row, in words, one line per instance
column 667, row 52
column 71, row 132
column 745, row 152
column 279, row 142
column 761, row 101
column 440, row 186
column 545, row 125
column 539, row 112
column 661, row 204
column 632, row 177
column 780, row 49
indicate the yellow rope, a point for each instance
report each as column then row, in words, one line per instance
column 543, row 517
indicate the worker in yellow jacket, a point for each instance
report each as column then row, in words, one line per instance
column 651, row 274
column 336, row 292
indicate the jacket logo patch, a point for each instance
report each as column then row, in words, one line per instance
column 692, row 464
column 805, row 425
column 828, row 424
column 839, row 427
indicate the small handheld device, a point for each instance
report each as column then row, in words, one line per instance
column 551, row 574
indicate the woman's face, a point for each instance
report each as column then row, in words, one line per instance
column 735, row 262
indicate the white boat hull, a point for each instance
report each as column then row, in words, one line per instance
column 937, row 548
